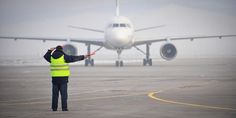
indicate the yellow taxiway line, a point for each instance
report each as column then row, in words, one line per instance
column 153, row 95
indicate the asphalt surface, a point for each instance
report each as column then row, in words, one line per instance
column 184, row 88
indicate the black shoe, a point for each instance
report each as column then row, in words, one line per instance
column 54, row 109
column 65, row 110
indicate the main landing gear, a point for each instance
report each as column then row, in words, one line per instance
column 89, row 60
column 119, row 63
column 146, row 61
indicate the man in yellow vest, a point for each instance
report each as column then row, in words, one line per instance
column 60, row 73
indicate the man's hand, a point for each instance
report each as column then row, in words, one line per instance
column 93, row 53
column 51, row 49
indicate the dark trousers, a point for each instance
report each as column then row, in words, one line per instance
column 62, row 88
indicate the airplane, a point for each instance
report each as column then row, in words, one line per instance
column 119, row 36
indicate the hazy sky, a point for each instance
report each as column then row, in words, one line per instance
column 50, row 18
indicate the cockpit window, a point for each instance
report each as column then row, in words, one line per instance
column 128, row 25
column 122, row 25
column 115, row 25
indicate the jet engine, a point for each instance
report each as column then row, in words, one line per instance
column 70, row 49
column 168, row 51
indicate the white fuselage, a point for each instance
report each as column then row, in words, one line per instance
column 119, row 33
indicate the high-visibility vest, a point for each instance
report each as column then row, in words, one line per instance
column 59, row 68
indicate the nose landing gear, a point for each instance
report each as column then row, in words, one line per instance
column 119, row 62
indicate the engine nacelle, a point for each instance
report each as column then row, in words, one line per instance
column 168, row 51
column 70, row 49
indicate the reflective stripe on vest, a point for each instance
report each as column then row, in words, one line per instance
column 59, row 68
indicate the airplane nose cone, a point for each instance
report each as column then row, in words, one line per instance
column 120, row 38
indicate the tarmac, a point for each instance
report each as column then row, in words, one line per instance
column 182, row 88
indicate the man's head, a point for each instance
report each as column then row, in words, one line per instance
column 59, row 48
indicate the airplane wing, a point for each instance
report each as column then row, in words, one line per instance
column 148, row 28
column 98, row 42
column 141, row 42
column 85, row 28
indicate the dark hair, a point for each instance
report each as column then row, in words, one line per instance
column 59, row 48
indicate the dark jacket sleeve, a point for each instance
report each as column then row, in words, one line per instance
column 47, row 56
column 70, row 58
